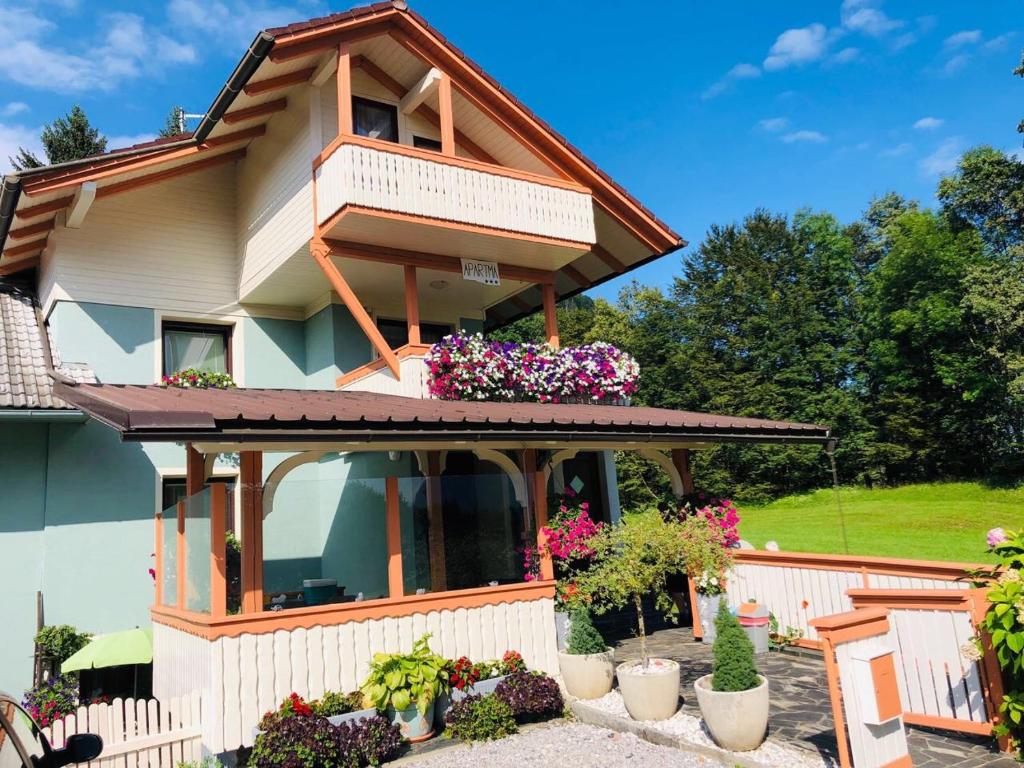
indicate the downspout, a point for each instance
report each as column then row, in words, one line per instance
column 258, row 50
column 44, row 337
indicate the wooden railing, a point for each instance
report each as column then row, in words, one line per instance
column 391, row 177
column 376, row 377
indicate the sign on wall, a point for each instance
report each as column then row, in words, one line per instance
column 485, row 272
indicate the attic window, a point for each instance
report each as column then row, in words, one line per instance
column 375, row 119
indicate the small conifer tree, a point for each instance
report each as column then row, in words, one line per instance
column 583, row 635
column 733, row 668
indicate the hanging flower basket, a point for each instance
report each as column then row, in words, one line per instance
column 469, row 367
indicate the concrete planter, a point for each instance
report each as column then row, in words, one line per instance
column 588, row 675
column 650, row 693
column 737, row 721
column 561, row 630
column 444, row 702
column 707, row 609
column 352, row 717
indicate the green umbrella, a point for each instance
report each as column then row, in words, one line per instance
column 132, row 646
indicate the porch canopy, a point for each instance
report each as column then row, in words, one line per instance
column 386, row 530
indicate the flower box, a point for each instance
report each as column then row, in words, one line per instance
column 361, row 714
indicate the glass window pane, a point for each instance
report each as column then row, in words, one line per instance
column 375, row 120
column 23, row 731
column 205, row 350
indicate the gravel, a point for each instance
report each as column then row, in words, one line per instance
column 557, row 746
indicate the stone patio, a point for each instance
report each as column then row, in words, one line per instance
column 801, row 713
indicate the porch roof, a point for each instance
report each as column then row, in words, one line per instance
column 157, row 413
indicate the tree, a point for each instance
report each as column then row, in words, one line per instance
column 1019, row 71
column 986, row 192
column 65, row 139
column 174, row 124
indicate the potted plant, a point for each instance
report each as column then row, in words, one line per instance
column 733, row 699
column 632, row 559
column 708, row 559
column 404, row 686
column 587, row 664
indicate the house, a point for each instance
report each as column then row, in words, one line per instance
column 357, row 190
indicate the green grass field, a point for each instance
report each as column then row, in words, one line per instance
column 941, row 521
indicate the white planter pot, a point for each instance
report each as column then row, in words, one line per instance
column 707, row 609
column 737, row 721
column 352, row 717
column 650, row 693
column 561, row 629
column 588, row 675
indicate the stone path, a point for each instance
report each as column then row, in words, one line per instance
column 801, row 713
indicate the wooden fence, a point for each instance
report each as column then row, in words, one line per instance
column 143, row 733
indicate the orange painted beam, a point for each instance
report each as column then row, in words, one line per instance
column 218, row 546
column 396, row 584
column 231, row 138
column 276, row 83
column 321, row 252
column 285, row 50
column 444, row 104
column 32, row 229
column 412, row 305
column 179, row 557
column 13, row 267
column 681, row 460
column 49, row 206
column 259, row 110
column 404, row 351
column 170, row 173
column 550, row 314
column 250, row 479
column 344, row 80
column 195, row 470
column 20, row 250
column 539, row 499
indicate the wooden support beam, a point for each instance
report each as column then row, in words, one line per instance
column 321, row 252
column 218, row 546
column 402, row 257
column 412, row 305
column 289, row 51
column 396, row 582
column 250, row 478
column 170, row 173
column 195, row 471
column 20, row 250
column 233, row 138
column 276, row 83
column 435, row 530
column 180, row 574
column 13, row 267
column 521, row 303
column 444, row 108
column 32, row 229
column 681, row 460
column 539, row 500
column 575, row 275
column 603, row 254
column 345, row 125
column 80, row 206
column 49, row 206
column 550, row 315
column 423, row 110
column 259, row 110
column 419, row 93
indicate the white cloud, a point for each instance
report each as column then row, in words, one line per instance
column 723, row 84
column 961, row 39
column 955, row 64
column 861, row 16
column 928, row 123
column 21, row 22
column 943, row 159
column 14, row 136
column 846, row 55
column 897, row 151
column 13, row 108
column 238, row 20
column 123, row 142
column 998, row 43
column 773, row 124
column 808, row 137
column 796, row 47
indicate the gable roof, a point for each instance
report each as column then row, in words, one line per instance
column 25, row 356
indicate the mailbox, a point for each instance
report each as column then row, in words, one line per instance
column 874, row 678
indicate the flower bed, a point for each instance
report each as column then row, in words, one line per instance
column 193, row 378
column 468, row 367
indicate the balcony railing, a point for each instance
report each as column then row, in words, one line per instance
column 393, row 177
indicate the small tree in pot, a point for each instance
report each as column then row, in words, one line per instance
column 632, row 559
column 587, row 664
column 733, row 699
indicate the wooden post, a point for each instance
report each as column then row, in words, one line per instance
column 218, row 562
column 435, row 514
column 396, row 583
column 681, row 459
column 991, row 673
column 344, row 90
column 158, row 566
column 539, row 498
column 444, row 106
column 195, row 470
column 251, row 480
column 179, row 566
column 547, row 291
column 412, row 305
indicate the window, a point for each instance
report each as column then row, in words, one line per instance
column 422, row 142
column 173, row 491
column 374, row 119
column 18, row 732
column 396, row 332
column 191, row 345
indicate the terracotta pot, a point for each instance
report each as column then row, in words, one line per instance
column 587, row 675
column 650, row 693
column 737, row 720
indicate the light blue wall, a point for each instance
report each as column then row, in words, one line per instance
column 275, row 353
column 334, row 344
column 119, row 343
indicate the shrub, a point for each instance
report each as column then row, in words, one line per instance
column 733, row 669
column 296, row 742
column 54, row 699
column 336, row 703
column 61, row 641
column 480, row 718
column 583, row 635
column 369, row 742
column 531, row 695
column 400, row 680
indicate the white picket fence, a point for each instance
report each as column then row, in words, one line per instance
column 137, row 733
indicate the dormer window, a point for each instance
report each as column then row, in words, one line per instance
column 375, row 119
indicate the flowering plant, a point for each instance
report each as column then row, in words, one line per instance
column 705, row 554
column 720, row 512
column 53, row 700
column 469, row 367
column 464, row 673
column 512, row 662
column 193, row 378
column 709, row 583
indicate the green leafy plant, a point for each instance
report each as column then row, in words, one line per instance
column 195, row 378
column 61, row 641
column 733, row 669
column 779, row 639
column 337, row 703
column 583, row 635
column 206, row 762
column 630, row 560
column 400, row 680
column 53, row 700
column 480, row 718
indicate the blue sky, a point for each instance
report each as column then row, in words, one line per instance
column 704, row 110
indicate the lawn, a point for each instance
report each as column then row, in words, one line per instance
column 941, row 521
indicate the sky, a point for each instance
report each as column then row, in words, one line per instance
column 705, row 111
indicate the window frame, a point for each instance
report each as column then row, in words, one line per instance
column 401, row 321
column 226, row 330
column 422, row 142
column 393, row 108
